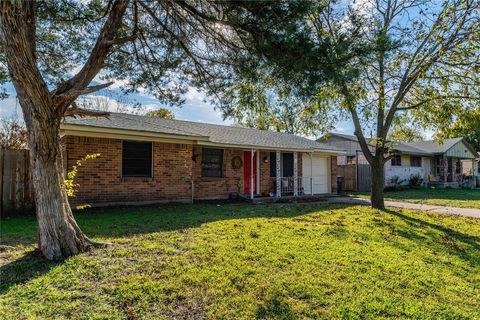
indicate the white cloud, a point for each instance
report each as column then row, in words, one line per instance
column 10, row 108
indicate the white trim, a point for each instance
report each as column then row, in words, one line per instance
column 252, row 154
column 126, row 134
column 258, row 173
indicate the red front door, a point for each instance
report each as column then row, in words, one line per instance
column 247, row 171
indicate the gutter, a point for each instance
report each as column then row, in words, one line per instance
column 125, row 134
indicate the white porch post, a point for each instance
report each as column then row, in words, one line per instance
column 311, row 173
column 277, row 174
column 251, row 174
column 295, row 174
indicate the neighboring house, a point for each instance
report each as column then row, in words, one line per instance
column 472, row 168
column 437, row 164
column 151, row 160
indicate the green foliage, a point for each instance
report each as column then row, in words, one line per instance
column 404, row 131
column 415, row 180
column 161, row 113
column 306, row 261
column 467, row 125
column 383, row 61
column 271, row 105
column 69, row 182
column 163, row 47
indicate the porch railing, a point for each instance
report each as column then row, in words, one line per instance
column 306, row 185
column 287, row 185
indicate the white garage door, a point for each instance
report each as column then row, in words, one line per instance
column 318, row 172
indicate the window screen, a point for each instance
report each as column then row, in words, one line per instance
column 287, row 163
column 415, row 161
column 397, row 160
column 136, row 159
column 273, row 164
column 212, row 162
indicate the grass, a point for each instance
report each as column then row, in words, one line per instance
column 460, row 198
column 250, row 262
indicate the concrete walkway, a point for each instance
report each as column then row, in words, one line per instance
column 466, row 212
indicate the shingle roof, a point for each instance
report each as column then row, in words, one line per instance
column 429, row 146
column 344, row 136
column 421, row 148
column 214, row 133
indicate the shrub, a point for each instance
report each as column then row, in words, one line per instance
column 415, row 180
column 69, row 183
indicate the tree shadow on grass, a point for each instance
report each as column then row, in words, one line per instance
column 31, row 265
column 128, row 221
column 132, row 221
column 447, row 238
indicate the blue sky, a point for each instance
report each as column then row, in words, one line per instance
column 195, row 107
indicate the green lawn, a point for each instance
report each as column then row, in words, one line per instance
column 250, row 262
column 461, row 198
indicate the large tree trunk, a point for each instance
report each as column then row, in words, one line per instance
column 59, row 234
column 378, row 184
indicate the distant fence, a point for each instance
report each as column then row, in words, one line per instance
column 16, row 192
column 364, row 178
column 349, row 174
column 356, row 177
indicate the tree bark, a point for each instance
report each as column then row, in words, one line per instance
column 378, row 184
column 59, row 234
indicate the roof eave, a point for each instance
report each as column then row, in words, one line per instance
column 125, row 134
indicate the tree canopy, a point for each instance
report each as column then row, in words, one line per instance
column 467, row 126
column 273, row 105
column 381, row 61
column 161, row 113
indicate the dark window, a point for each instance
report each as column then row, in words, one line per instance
column 415, row 161
column 458, row 167
column 287, row 162
column 212, row 163
column 351, row 159
column 273, row 164
column 136, row 159
column 397, row 160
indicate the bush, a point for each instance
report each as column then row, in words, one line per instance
column 395, row 184
column 415, row 180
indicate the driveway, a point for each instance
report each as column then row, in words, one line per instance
column 466, row 212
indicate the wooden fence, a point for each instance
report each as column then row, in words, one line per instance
column 16, row 192
column 349, row 173
column 356, row 177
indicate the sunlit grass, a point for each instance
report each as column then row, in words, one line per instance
column 460, row 198
column 250, row 262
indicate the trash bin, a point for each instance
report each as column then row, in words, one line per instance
column 339, row 185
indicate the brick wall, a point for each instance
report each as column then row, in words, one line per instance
column 100, row 180
column 213, row 188
column 334, row 173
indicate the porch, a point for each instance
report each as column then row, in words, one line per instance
column 448, row 172
column 280, row 174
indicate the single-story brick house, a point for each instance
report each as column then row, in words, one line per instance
column 148, row 160
column 439, row 164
